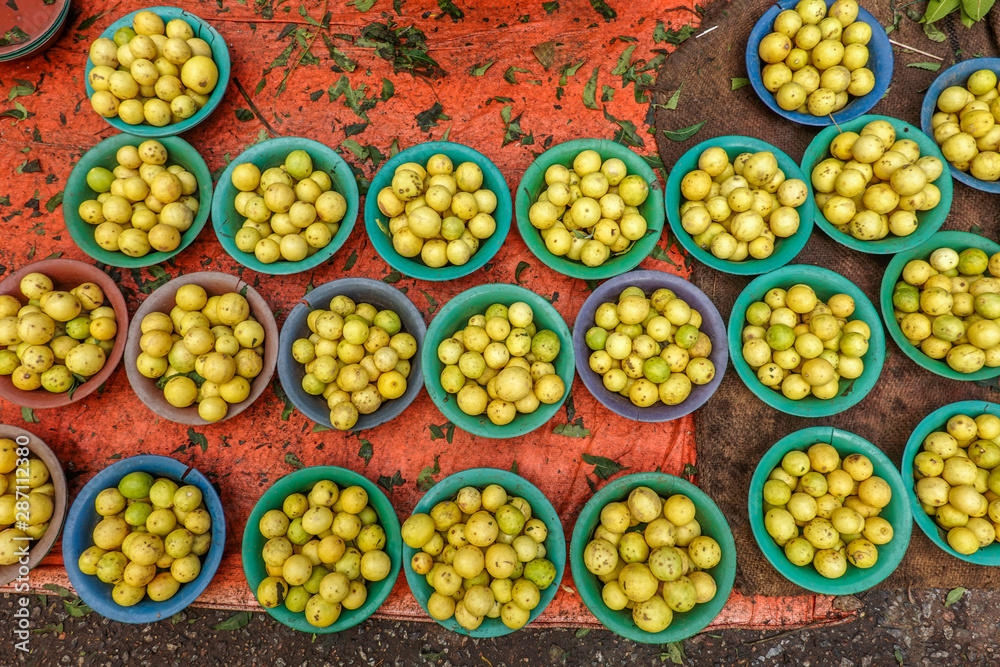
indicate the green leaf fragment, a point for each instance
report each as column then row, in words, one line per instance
column 590, row 90
column 954, row 595
column 739, row 82
column 685, row 133
column 604, row 467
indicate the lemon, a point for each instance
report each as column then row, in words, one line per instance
column 135, row 485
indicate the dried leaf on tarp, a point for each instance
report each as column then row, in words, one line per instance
column 196, row 438
column 389, row 483
column 685, row 133
column 425, row 478
column 572, row 430
column 545, row 53
column 366, row 451
column 602, row 8
column 294, row 461
column 479, row 70
column 590, row 90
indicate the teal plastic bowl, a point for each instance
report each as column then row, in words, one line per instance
column 958, row 241
column 220, row 54
column 897, row 512
column 377, row 226
column 533, row 182
column 455, row 315
column 301, row 481
column 272, row 153
column 713, row 524
column 928, row 222
column 936, row 421
column 103, row 155
column 826, row 283
column 785, row 250
column 541, row 508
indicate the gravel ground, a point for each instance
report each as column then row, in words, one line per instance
column 892, row 628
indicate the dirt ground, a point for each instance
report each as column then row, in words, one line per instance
column 892, row 629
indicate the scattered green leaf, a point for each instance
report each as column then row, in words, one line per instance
column 521, row 267
column 899, row 656
column 550, row 7
column 366, row 451
column 479, row 70
column 449, row 8
column 425, row 478
column 238, row 620
column 590, row 90
column 294, row 461
column 510, row 76
column 429, row 117
column 54, row 201
column 572, row 430
column 934, row 33
column 674, row 652
column 685, row 133
column 675, row 37
column 624, row 60
column 389, row 483
column 244, row 115
column 581, row 633
column 362, row 5
column 196, row 438
column 954, row 595
column 930, row 67
column 739, row 82
column 689, row 470
column 603, row 467
column 340, row 59
column 602, row 8
column 76, row 608
column 28, row 415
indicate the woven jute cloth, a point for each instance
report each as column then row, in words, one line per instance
column 735, row 428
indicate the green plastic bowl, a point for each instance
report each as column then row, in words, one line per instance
column 936, row 421
column 541, row 508
column 103, row 155
column 534, row 180
column 220, row 54
column 377, row 226
column 897, row 512
column 826, row 283
column 455, row 315
column 713, row 524
column 272, row 153
column 785, row 250
column 301, row 481
column 928, row 222
column 957, row 241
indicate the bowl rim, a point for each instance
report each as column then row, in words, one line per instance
column 436, row 332
column 115, row 299
column 45, row 38
column 949, row 77
column 555, row 551
column 410, row 266
column 316, row 410
column 931, row 221
column 84, row 585
column 219, row 55
column 615, row 621
column 76, row 187
column 592, row 381
column 256, row 154
column 902, row 529
column 809, row 407
column 640, row 249
column 252, row 562
column 792, row 245
column 894, row 271
column 40, row 548
column 189, row 415
column 989, row 555
column 856, row 107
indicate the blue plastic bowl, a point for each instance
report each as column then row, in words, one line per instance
column 78, row 536
column 220, row 54
column 301, row 481
column 272, row 153
column 936, row 421
column 928, row 222
column 826, row 283
column 880, row 62
column 957, row 75
column 361, row 290
column 897, row 512
column 785, row 250
column 493, row 180
column 714, row 525
column 541, row 508
column 649, row 282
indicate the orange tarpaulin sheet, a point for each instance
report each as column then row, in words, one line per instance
column 294, row 76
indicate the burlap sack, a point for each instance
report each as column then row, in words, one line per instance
column 735, row 428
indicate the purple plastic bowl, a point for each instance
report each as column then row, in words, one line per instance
column 650, row 281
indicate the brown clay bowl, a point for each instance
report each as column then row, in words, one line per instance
column 67, row 274
column 41, row 547
column 162, row 300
